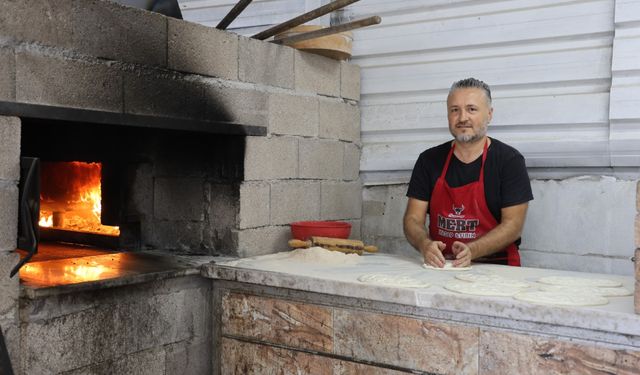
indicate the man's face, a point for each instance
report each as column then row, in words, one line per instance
column 469, row 113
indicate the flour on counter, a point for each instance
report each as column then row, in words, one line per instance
column 578, row 281
column 561, row 298
column 482, row 289
column 314, row 255
column 490, row 278
column 605, row 292
column 393, row 280
column 448, row 266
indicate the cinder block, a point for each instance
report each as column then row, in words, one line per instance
column 293, row 115
column 9, row 148
column 321, row 158
column 181, row 235
column 46, row 22
column 340, row 200
column 178, row 198
column 240, row 104
column 9, row 294
column 339, row 120
column 294, row 201
column 188, row 355
column 356, row 229
column 202, row 50
column 352, row 154
column 155, row 93
column 7, row 74
column 254, row 204
column 317, row 74
column 112, row 31
column 261, row 241
column 271, row 158
column 50, row 80
column 8, row 216
column 265, row 63
column 350, row 81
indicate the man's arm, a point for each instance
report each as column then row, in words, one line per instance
column 505, row 233
column 415, row 217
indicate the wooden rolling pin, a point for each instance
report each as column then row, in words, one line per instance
column 335, row 244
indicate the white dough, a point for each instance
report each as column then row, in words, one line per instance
column 578, row 281
column 482, row 289
column 492, row 279
column 605, row 292
column 561, row 298
column 393, row 280
column 448, row 266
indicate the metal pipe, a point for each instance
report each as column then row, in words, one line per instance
column 233, row 14
column 318, row 12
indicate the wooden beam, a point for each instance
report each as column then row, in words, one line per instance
column 318, row 12
column 373, row 20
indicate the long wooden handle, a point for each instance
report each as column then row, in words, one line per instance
column 373, row 20
column 318, row 12
column 371, row 249
column 299, row 243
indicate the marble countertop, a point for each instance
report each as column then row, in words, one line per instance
column 342, row 280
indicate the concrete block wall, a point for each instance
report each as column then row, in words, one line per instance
column 9, row 177
column 579, row 224
column 158, row 327
column 105, row 56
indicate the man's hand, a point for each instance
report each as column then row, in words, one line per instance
column 462, row 252
column 432, row 253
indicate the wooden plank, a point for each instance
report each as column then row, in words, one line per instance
column 318, row 12
column 511, row 353
column 293, row 324
column 406, row 342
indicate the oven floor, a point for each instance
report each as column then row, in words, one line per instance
column 53, row 250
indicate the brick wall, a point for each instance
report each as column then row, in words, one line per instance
column 9, row 176
column 104, row 56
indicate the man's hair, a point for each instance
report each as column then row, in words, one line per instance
column 471, row 83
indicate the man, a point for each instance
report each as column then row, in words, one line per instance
column 475, row 189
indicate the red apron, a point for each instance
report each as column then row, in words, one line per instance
column 461, row 214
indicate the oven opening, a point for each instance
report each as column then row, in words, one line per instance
column 71, row 199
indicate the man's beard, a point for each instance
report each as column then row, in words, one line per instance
column 471, row 138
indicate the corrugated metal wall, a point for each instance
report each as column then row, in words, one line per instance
column 550, row 64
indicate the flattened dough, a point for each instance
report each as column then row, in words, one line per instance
column 448, row 266
column 578, row 281
column 492, row 279
column 605, row 292
column 482, row 289
column 561, row 299
column 393, row 280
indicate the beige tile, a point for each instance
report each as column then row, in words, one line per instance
column 407, row 342
column 510, row 353
column 276, row 321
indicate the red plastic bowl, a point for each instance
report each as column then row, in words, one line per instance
column 302, row 230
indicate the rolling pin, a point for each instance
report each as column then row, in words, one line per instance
column 335, row 244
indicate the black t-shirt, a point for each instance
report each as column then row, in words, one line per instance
column 506, row 181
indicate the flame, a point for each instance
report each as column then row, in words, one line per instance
column 46, row 219
column 71, row 199
column 71, row 271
